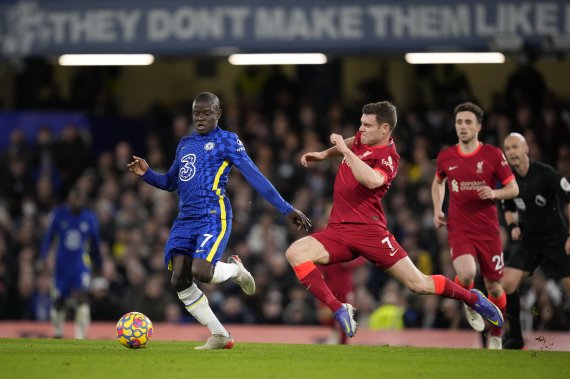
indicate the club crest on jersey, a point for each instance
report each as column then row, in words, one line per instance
column 209, row 146
column 480, row 167
column 240, row 148
column 388, row 162
column 454, row 186
column 540, row 200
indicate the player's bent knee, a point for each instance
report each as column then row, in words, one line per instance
column 466, row 280
column 295, row 253
column 203, row 276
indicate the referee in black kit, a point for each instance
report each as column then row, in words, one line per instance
column 535, row 218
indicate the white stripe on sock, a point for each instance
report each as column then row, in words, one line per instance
column 198, row 306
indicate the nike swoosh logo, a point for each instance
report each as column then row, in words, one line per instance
column 394, row 252
column 199, row 251
column 494, row 322
column 451, row 168
column 346, row 326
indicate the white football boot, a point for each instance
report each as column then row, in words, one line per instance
column 217, row 341
column 244, row 278
column 474, row 319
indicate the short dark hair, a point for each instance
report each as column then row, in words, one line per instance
column 470, row 107
column 385, row 112
column 209, row 97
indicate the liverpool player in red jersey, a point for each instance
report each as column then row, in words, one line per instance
column 472, row 170
column 357, row 225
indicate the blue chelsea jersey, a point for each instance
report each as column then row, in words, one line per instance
column 200, row 173
column 77, row 239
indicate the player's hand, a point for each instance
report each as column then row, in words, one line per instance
column 439, row 220
column 338, row 141
column 516, row 233
column 486, row 193
column 298, row 218
column 138, row 166
column 311, row 157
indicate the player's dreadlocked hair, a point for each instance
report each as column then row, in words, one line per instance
column 470, row 107
column 385, row 112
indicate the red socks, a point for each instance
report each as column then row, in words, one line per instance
column 312, row 279
column 500, row 302
column 447, row 288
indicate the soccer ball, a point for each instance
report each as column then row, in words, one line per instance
column 134, row 330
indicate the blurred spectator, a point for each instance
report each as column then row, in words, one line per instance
column 15, row 183
column 72, row 155
column 390, row 314
column 105, row 306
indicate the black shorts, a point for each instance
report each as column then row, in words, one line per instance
column 553, row 259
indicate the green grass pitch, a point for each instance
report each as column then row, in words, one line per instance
column 47, row 359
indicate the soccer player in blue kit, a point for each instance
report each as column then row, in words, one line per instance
column 77, row 249
column 200, row 233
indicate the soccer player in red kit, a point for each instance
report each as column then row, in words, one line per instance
column 472, row 170
column 357, row 225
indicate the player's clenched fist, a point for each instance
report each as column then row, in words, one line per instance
column 338, row 141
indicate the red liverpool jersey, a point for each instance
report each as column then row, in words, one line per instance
column 465, row 173
column 353, row 202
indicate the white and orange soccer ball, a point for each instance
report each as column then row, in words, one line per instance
column 134, row 330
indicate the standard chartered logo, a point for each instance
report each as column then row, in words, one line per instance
column 466, row 186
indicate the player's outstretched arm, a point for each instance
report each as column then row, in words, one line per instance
column 298, row 218
column 166, row 182
column 332, row 152
column 138, row 166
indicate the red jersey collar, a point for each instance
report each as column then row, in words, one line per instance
column 461, row 154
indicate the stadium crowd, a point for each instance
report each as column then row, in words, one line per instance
column 277, row 124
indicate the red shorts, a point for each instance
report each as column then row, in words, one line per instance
column 344, row 242
column 488, row 253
